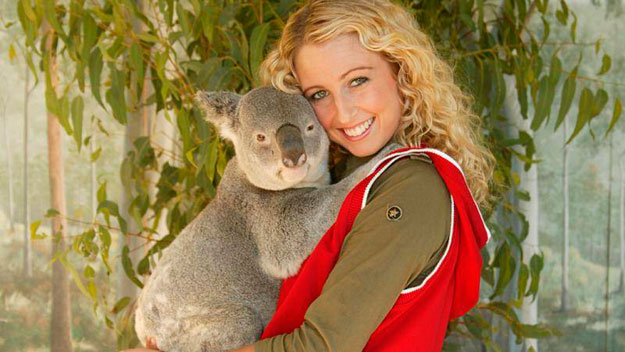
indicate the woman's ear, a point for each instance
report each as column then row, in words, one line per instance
column 219, row 108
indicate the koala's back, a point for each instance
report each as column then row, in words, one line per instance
column 213, row 262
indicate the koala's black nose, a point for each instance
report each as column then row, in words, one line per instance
column 291, row 145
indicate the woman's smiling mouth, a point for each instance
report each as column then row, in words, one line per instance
column 359, row 131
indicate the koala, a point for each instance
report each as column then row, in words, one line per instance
column 216, row 286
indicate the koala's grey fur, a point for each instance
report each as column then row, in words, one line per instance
column 216, row 286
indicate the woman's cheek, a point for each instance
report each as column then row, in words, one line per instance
column 323, row 115
column 370, row 100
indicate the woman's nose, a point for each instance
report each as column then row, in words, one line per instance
column 345, row 108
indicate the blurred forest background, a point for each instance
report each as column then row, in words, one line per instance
column 161, row 174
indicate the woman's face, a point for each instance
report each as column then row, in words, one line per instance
column 353, row 92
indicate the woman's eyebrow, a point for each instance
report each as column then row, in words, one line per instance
column 342, row 76
column 354, row 69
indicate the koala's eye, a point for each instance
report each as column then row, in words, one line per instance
column 260, row 137
column 310, row 127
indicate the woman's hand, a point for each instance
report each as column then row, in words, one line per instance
column 248, row 348
column 151, row 347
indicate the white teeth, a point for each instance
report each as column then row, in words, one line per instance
column 358, row 130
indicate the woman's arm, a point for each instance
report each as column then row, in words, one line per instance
column 379, row 258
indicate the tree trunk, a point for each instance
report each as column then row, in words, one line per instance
column 28, row 259
column 9, row 164
column 622, row 221
column 608, row 248
column 529, row 183
column 94, row 182
column 134, row 129
column 565, row 245
column 137, row 126
column 60, row 331
column 615, row 8
column 60, row 326
column 162, row 138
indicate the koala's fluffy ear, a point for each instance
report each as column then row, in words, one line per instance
column 219, row 109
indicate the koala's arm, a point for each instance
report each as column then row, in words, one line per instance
column 342, row 188
column 299, row 219
column 292, row 225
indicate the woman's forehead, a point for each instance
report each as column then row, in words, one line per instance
column 332, row 58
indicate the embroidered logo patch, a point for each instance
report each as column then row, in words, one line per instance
column 393, row 213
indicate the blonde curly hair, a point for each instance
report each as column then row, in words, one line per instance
column 435, row 110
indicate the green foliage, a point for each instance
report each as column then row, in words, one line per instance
column 218, row 45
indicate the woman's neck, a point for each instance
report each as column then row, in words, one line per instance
column 348, row 165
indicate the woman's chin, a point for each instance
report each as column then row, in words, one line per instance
column 362, row 149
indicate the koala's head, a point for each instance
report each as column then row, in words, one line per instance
column 277, row 139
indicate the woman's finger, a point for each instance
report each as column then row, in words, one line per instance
column 150, row 343
column 150, row 346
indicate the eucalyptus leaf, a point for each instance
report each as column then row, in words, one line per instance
column 542, row 104
column 568, row 92
column 606, row 63
column 90, row 33
column 77, row 117
column 211, row 162
column 583, row 115
column 115, row 96
column 95, row 70
column 77, row 280
column 128, row 269
column 257, row 45
column 600, row 99
column 120, row 304
column 616, row 114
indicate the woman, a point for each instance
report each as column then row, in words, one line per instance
column 402, row 266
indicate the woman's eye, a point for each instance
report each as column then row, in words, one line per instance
column 360, row 80
column 318, row 95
